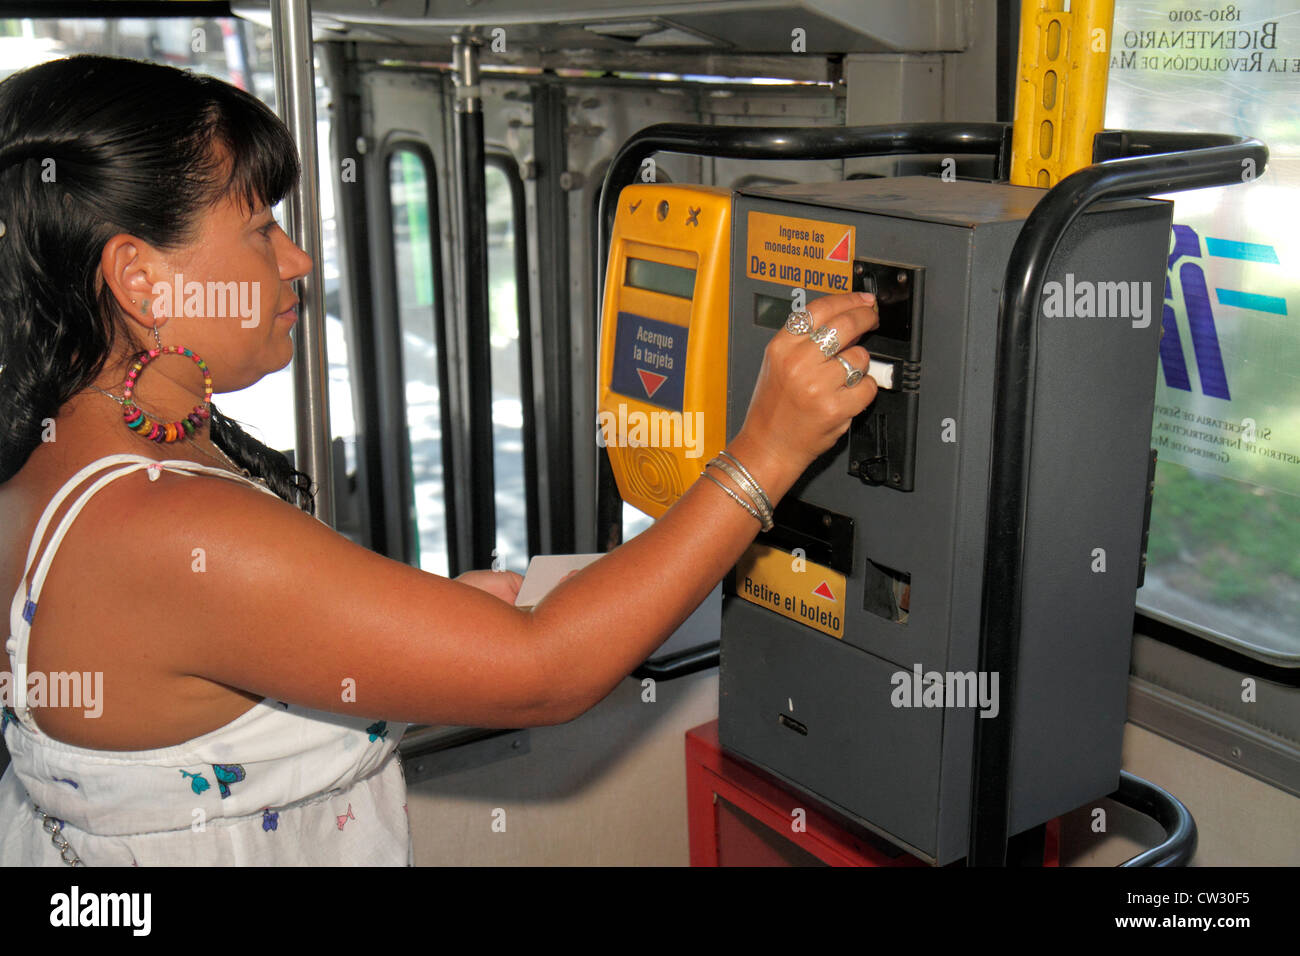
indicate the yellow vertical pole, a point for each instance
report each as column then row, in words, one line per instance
column 1061, row 88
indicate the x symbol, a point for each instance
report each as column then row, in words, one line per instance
column 694, row 218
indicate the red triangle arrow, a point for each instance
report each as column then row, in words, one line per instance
column 841, row 251
column 651, row 381
column 824, row 590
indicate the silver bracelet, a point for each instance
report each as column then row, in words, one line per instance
column 766, row 525
column 755, row 494
column 762, row 495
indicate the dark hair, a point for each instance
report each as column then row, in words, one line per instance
column 133, row 147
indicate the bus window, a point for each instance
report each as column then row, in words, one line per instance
column 413, row 263
column 1222, row 556
column 508, row 433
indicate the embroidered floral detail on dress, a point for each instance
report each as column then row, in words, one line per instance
column 378, row 730
column 344, row 818
column 67, row 780
column 227, row 773
column 198, row 782
column 270, row 819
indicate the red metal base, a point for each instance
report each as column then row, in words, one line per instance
column 739, row 816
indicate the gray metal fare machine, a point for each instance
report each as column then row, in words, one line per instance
column 851, row 661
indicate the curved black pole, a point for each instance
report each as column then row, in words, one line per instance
column 1201, row 160
column 1180, row 829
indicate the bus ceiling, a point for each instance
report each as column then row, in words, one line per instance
column 703, row 27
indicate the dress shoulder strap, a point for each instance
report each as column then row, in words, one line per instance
column 22, row 609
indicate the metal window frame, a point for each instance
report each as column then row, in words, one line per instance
column 115, row 9
column 550, row 147
column 1191, row 693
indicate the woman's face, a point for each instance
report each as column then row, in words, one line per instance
column 229, row 297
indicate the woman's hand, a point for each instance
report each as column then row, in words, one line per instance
column 500, row 584
column 800, row 406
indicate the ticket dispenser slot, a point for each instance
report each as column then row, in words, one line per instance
column 882, row 440
column 663, row 362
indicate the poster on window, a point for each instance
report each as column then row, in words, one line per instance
column 1228, row 393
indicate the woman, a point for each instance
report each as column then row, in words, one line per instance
column 257, row 667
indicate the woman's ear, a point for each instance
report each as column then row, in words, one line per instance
column 131, row 269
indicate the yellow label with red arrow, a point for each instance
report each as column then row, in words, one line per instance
column 793, row 587
column 800, row 253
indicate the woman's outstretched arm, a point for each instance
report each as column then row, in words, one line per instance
column 289, row 609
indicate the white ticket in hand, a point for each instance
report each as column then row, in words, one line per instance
column 545, row 571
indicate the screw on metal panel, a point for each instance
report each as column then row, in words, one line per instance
column 570, row 180
column 1236, row 753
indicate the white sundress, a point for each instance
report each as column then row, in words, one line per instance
column 279, row 785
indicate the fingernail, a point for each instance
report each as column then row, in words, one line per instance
column 868, row 298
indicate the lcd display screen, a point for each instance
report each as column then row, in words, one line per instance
column 660, row 277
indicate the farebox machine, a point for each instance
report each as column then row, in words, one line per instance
column 850, row 633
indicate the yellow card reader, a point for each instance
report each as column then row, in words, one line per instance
column 662, row 406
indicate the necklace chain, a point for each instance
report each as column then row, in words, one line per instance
column 197, row 447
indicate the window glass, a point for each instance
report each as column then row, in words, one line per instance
column 413, row 261
column 1223, row 560
column 507, row 404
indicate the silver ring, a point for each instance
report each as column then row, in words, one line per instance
column 799, row 323
column 827, row 339
column 852, row 375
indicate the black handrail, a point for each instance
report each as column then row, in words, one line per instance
column 672, row 666
column 1162, row 806
column 1189, row 161
column 790, row 143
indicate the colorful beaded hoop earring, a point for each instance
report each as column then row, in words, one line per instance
column 146, row 427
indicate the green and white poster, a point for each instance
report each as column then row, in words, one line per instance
column 1228, row 393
